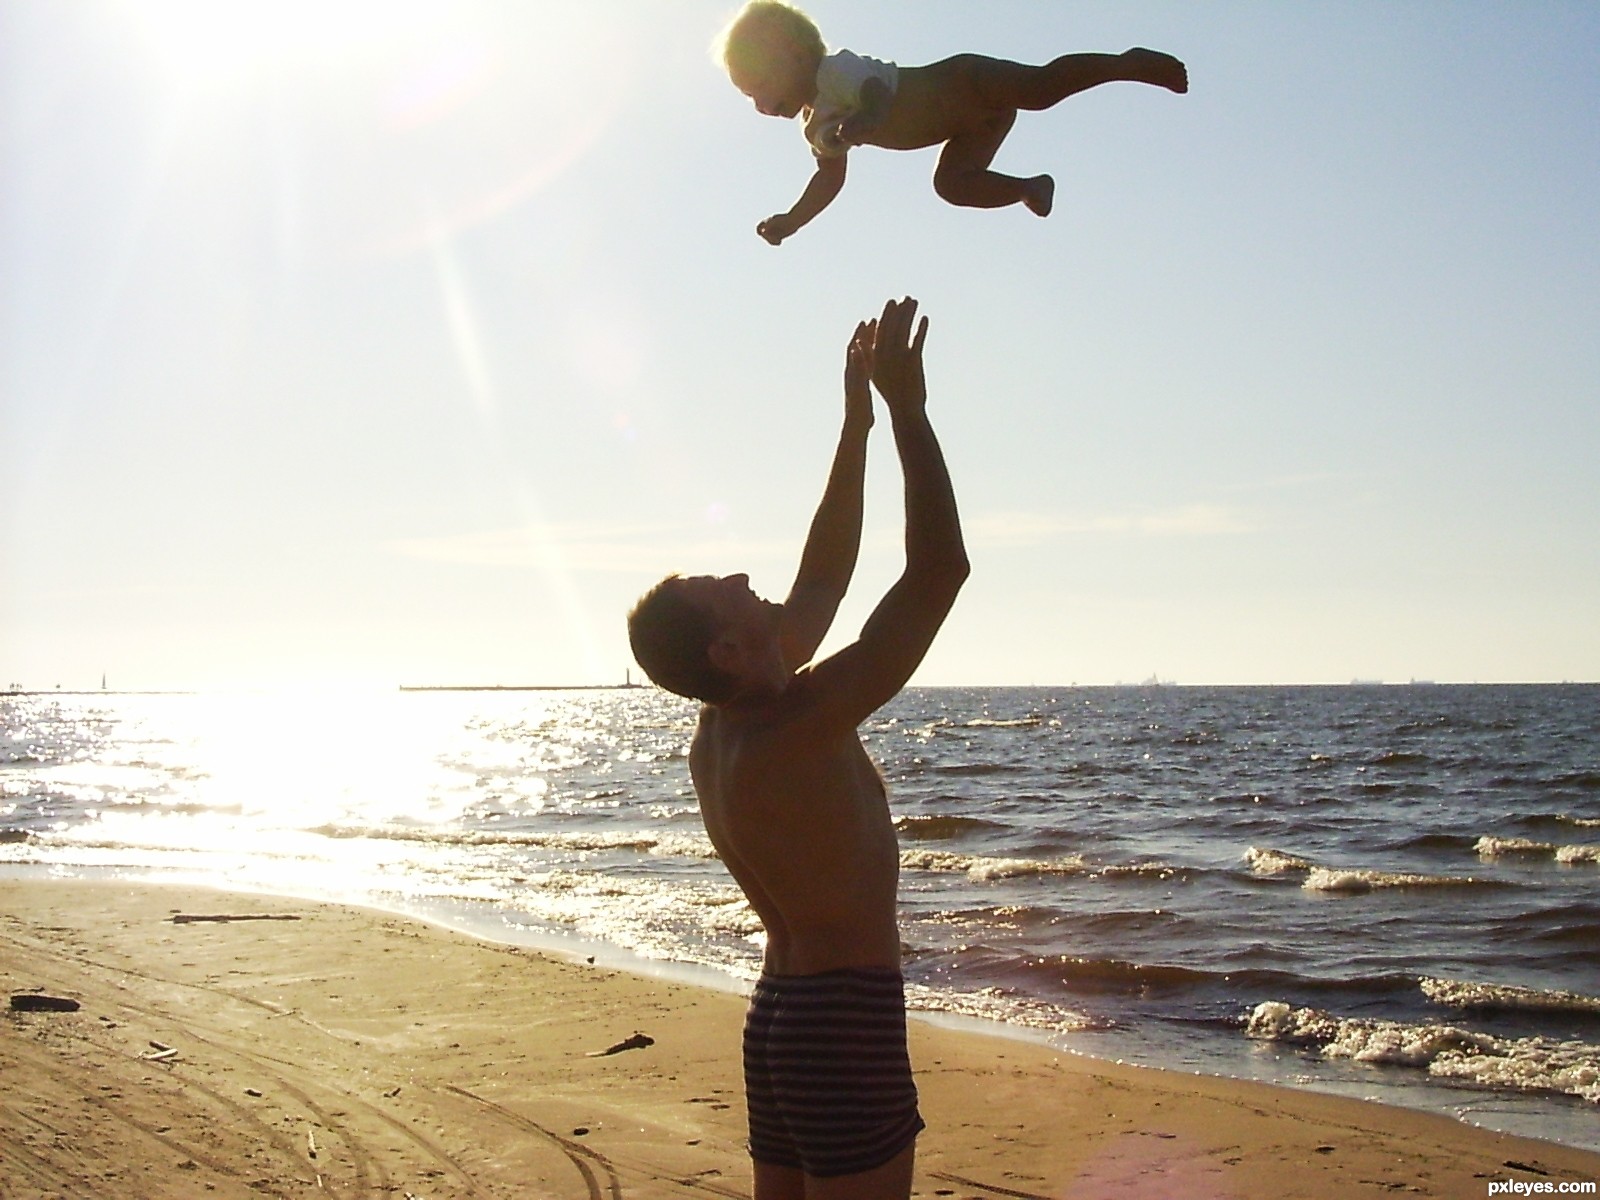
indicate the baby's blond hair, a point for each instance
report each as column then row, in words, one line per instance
column 737, row 45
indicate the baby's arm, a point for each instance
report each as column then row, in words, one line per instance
column 824, row 186
column 874, row 103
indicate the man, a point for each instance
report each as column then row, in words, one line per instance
column 795, row 807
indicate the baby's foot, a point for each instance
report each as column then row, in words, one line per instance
column 1039, row 194
column 1152, row 66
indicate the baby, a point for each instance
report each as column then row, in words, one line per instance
column 775, row 56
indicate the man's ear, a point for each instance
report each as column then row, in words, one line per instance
column 725, row 655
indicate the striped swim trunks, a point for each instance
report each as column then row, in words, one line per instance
column 827, row 1077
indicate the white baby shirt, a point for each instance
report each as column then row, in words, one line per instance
column 839, row 80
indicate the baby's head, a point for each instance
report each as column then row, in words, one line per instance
column 771, row 51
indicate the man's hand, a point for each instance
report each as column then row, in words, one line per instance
column 856, row 681
column 858, row 375
column 897, row 357
column 775, row 228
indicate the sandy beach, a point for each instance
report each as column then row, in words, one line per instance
column 305, row 1049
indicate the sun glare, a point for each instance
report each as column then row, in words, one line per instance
column 210, row 43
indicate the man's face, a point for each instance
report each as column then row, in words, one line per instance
column 746, row 625
column 733, row 605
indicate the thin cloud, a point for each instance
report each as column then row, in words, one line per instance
column 576, row 546
column 1280, row 483
column 1026, row 529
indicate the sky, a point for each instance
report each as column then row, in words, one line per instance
column 387, row 342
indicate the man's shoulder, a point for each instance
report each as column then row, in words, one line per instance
column 789, row 711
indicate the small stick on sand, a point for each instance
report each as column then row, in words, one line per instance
column 637, row 1042
column 189, row 918
column 38, row 1002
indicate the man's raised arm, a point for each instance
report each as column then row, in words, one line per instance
column 868, row 673
column 829, row 558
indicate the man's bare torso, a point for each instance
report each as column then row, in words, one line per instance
column 798, row 813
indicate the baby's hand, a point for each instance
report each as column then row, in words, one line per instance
column 775, row 228
column 834, row 140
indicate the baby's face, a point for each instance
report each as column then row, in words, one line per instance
column 784, row 82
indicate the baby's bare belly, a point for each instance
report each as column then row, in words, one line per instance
column 932, row 104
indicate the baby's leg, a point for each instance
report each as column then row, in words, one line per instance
column 963, row 176
column 1003, row 84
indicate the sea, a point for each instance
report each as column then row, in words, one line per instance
column 1389, row 892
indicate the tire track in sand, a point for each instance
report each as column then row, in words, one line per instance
column 582, row 1155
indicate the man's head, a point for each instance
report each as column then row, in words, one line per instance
column 708, row 637
column 771, row 51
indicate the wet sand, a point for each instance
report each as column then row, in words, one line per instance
column 343, row 1052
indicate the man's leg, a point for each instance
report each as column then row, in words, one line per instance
column 778, row 1183
column 892, row 1181
column 772, row 1181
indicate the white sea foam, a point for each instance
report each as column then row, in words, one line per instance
column 1350, row 880
column 980, row 868
column 1275, row 862
column 998, row 1004
column 684, row 845
column 1445, row 1051
column 1496, row 847
column 1493, row 847
column 1334, row 879
column 1460, row 993
column 681, row 845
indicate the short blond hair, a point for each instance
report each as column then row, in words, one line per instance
column 739, row 45
column 671, row 638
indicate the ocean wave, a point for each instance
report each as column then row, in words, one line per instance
column 998, row 1004
column 1586, row 781
column 1459, row 993
column 1498, row 847
column 1400, row 758
column 1495, row 847
column 973, row 770
column 996, row 723
column 1273, row 863
column 1144, row 870
column 981, row 868
column 1118, row 976
column 943, row 828
column 1444, row 1051
column 671, row 844
column 1351, row 881
column 1449, row 843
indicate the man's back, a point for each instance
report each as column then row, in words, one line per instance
column 798, row 813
